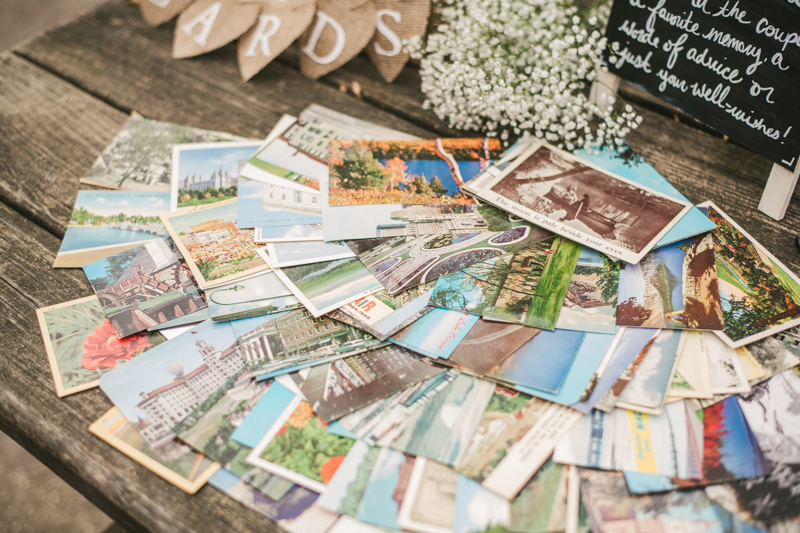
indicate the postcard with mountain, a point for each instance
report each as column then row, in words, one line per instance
column 674, row 287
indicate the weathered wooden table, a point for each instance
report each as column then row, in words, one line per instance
column 66, row 94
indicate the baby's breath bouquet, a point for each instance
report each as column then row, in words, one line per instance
column 510, row 67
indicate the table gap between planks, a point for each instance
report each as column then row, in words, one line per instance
column 66, row 94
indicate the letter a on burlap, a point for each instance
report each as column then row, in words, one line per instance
column 208, row 24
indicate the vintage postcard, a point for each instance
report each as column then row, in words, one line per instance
column 488, row 343
column 541, row 506
column 429, row 171
column 345, row 489
column 773, row 356
column 259, row 206
column 81, row 344
column 140, row 156
column 647, row 389
column 286, row 254
column 189, row 471
column 590, row 303
column 527, row 287
column 259, row 294
column 299, row 448
column 753, row 371
column 343, row 386
column 429, row 504
column 182, row 374
column 478, row 509
column 144, row 286
column 323, row 287
column 207, row 173
column 403, row 262
column 580, row 201
column 215, row 249
column 104, row 223
column 630, row 341
column 386, row 488
column 692, row 377
column 760, row 296
column 296, row 233
column 727, row 375
column 590, row 441
column 541, row 363
column 674, row 287
column 437, row 333
column 731, row 451
column 791, row 339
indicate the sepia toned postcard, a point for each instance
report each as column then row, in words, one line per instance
column 104, row 223
column 214, row 248
column 428, row 171
column 140, row 156
column 429, row 504
column 760, row 296
column 81, row 344
column 188, row 470
column 144, row 287
column 581, row 201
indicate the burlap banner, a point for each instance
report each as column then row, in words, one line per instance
column 396, row 20
column 208, row 24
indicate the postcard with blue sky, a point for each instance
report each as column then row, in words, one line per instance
column 296, row 233
column 380, row 503
column 437, row 333
column 284, row 254
column 730, row 449
column 104, row 223
column 542, row 362
column 265, row 205
column 479, row 509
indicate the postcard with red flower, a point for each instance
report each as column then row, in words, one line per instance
column 81, row 344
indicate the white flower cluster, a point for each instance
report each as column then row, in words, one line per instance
column 509, row 67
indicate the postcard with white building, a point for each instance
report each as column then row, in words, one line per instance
column 207, row 173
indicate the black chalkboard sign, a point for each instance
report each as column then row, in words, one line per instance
column 732, row 64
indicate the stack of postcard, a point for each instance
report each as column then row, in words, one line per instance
column 349, row 329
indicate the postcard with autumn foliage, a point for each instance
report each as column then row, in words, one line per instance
column 428, row 171
column 81, row 344
column 760, row 296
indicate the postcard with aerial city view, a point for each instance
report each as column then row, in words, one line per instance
column 406, row 172
column 140, row 156
column 143, row 287
column 760, row 296
column 104, row 223
column 206, row 173
column 215, row 249
column 81, row 344
column 581, row 201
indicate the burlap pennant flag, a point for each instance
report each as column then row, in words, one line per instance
column 280, row 23
column 208, row 24
column 396, row 20
column 156, row 12
column 340, row 30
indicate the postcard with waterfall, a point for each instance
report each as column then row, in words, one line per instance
column 578, row 200
column 215, row 249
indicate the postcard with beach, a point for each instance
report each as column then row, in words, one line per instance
column 346, row 385
column 403, row 262
column 81, row 344
column 259, row 294
column 526, row 287
column 286, row 254
column 207, row 173
column 215, row 249
column 760, row 296
column 145, row 286
column 429, row 171
column 385, row 490
column 487, row 344
column 591, row 297
column 437, row 333
column 299, row 448
column 188, row 471
column 296, row 233
column 581, row 201
column 429, row 504
column 673, row 287
column 104, row 223
column 140, row 156
column 328, row 285
column 264, row 205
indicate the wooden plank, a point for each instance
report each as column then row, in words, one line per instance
column 50, row 134
column 55, row 430
column 112, row 54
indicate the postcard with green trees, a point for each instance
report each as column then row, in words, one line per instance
column 81, row 344
column 760, row 296
column 428, row 171
column 526, row 287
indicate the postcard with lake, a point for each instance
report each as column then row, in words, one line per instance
column 104, row 223
column 144, row 287
column 429, row 171
column 760, row 296
column 215, row 249
column 140, row 156
column 573, row 198
column 81, row 344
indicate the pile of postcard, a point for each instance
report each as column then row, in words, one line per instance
column 349, row 329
